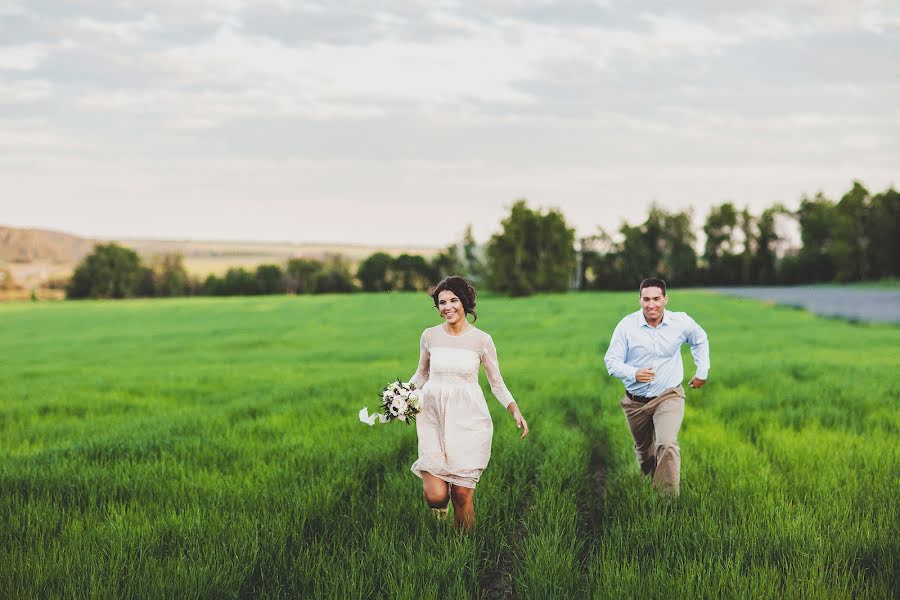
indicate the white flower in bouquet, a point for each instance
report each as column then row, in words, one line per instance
column 399, row 406
column 400, row 401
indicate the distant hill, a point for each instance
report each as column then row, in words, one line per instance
column 31, row 245
column 35, row 255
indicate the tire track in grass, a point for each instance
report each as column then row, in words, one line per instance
column 564, row 514
column 497, row 579
column 598, row 467
column 559, row 522
column 592, row 504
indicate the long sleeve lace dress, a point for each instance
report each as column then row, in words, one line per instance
column 454, row 426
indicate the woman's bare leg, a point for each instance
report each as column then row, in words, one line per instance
column 463, row 507
column 436, row 490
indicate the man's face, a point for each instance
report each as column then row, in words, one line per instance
column 653, row 302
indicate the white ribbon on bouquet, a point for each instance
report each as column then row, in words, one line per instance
column 368, row 419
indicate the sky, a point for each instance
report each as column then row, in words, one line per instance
column 400, row 123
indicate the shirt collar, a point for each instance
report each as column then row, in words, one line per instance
column 666, row 320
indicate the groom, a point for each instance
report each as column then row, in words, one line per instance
column 645, row 353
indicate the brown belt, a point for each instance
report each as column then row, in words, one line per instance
column 641, row 399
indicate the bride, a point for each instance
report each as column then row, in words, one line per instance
column 454, row 427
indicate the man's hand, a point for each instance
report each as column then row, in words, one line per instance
column 696, row 382
column 645, row 375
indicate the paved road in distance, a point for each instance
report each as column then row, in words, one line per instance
column 855, row 304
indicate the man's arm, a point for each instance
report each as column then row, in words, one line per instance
column 699, row 343
column 615, row 357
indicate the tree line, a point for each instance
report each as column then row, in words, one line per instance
column 853, row 239
column 113, row 271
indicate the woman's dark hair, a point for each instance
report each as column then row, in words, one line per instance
column 463, row 290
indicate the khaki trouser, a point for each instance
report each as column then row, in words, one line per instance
column 654, row 426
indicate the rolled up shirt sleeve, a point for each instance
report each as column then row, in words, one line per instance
column 699, row 343
column 615, row 357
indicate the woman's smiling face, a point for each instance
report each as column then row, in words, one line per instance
column 451, row 307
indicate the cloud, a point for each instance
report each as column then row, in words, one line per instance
column 478, row 101
column 22, row 58
column 24, row 91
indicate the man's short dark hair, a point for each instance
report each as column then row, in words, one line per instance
column 653, row 282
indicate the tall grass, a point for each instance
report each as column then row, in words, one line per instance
column 210, row 447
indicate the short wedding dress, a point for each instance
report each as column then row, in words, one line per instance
column 454, row 426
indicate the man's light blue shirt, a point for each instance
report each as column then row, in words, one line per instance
column 636, row 345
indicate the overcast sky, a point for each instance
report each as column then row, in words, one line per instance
column 401, row 122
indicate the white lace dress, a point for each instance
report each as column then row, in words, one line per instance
column 454, row 426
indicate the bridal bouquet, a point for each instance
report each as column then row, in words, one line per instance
column 400, row 401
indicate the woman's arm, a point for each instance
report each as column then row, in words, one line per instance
column 498, row 386
column 421, row 375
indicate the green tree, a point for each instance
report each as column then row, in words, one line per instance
column 213, row 286
column 146, row 285
column 411, row 273
column 171, row 277
column 764, row 252
column 746, row 224
column 300, row 275
column 110, row 271
column 722, row 265
column 533, row 253
column 884, row 237
column 661, row 246
column 638, row 256
column 679, row 255
column 817, row 218
column 335, row 277
column 601, row 263
column 850, row 248
column 269, row 279
column 374, row 273
column 240, row 282
column 332, row 281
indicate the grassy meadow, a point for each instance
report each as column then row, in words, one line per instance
column 211, row 448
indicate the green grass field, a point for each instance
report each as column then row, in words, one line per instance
column 211, row 448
